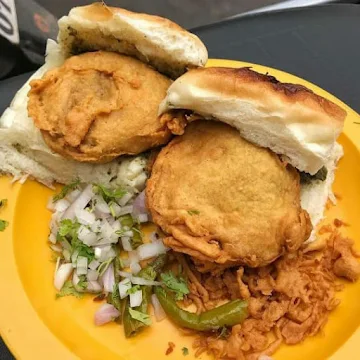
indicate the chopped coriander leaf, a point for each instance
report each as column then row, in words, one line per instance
column 3, row 202
column 114, row 298
column 3, row 224
column 82, row 249
column 193, row 212
column 68, row 290
column 177, row 285
column 140, row 316
column 136, row 240
column 185, row 351
column 66, row 189
column 67, row 226
column 133, row 289
column 109, row 194
column 82, row 284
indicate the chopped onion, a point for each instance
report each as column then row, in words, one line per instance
column 133, row 257
column 95, row 226
column 101, row 205
column 139, row 206
column 51, row 205
column 56, row 248
column 125, row 274
column 124, row 286
column 141, row 281
column 23, row 178
column 85, row 217
column 52, row 238
column 125, row 262
column 147, row 251
column 139, row 181
column 116, row 225
column 135, row 268
column 108, row 279
column 143, row 218
column 158, row 310
column 126, row 210
column 86, row 236
column 80, row 203
column 74, row 257
column 115, row 209
column 128, row 233
column 106, row 313
column 126, row 244
column 106, row 229
column 125, row 199
column 62, row 274
column 94, row 264
column 61, row 205
column 94, row 287
column 135, row 168
column 103, row 253
column 136, row 298
column 92, row 275
column 81, row 265
column 71, row 196
column 57, row 265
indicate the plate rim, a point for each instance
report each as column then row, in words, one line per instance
column 40, row 340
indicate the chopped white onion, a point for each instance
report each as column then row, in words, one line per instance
column 116, row 225
column 143, row 218
column 126, row 244
column 106, row 229
column 103, row 253
column 106, row 313
column 62, row 274
column 57, row 265
column 125, row 262
column 136, row 298
column 139, row 206
column 95, row 226
column 101, row 205
column 92, row 275
column 158, row 310
column 133, row 257
column 80, row 203
column 141, row 281
column 108, row 279
column 86, row 236
column 56, row 248
column 61, row 205
column 126, row 210
column 128, row 233
column 51, row 205
column 74, row 257
column 52, row 238
column 94, row 265
column 125, row 274
column 23, row 178
column 135, row 168
column 125, row 199
column 135, row 268
column 147, row 251
column 115, row 209
column 139, row 181
column 85, row 217
column 71, row 196
column 81, row 265
column 93, row 287
column 124, row 286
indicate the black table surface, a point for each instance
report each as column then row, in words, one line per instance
column 319, row 44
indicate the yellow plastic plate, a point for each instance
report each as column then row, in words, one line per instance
column 36, row 326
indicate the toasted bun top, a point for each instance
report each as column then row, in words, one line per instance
column 152, row 39
column 290, row 119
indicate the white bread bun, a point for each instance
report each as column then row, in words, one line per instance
column 152, row 39
column 314, row 195
column 289, row 119
column 24, row 152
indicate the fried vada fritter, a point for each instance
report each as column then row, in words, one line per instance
column 99, row 105
column 224, row 200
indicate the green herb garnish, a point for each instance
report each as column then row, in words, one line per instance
column 69, row 290
column 140, row 316
column 66, row 189
column 3, row 224
column 185, row 351
column 103, row 266
column 224, row 333
column 82, row 284
column 177, row 285
column 193, row 212
column 109, row 194
column 133, row 289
